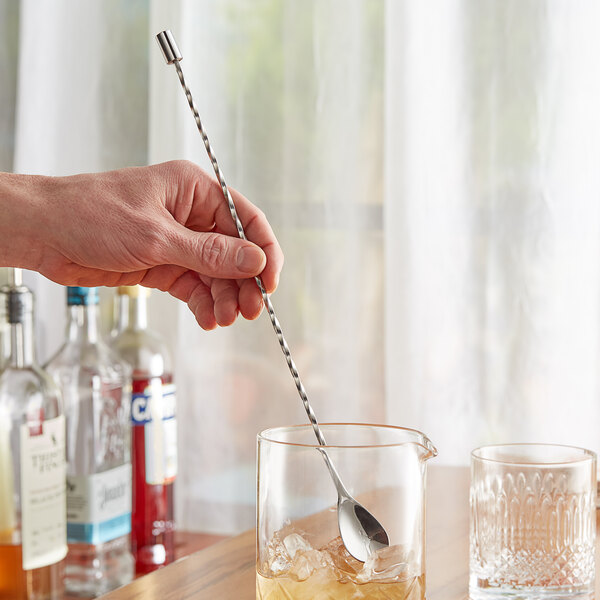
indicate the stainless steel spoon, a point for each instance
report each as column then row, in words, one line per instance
column 360, row 531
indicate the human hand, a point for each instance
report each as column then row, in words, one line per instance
column 165, row 226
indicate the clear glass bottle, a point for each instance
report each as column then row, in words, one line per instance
column 33, row 541
column 96, row 386
column 4, row 329
column 154, row 452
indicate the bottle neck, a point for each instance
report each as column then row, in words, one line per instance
column 134, row 312
column 21, row 343
column 82, row 324
column 121, row 314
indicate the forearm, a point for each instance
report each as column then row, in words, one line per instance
column 22, row 216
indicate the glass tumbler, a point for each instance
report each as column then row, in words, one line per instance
column 533, row 522
column 300, row 552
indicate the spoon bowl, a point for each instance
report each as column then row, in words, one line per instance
column 360, row 531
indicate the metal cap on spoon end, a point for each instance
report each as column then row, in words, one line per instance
column 169, row 48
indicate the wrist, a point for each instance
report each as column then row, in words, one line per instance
column 22, row 239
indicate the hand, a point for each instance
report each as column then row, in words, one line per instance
column 165, row 226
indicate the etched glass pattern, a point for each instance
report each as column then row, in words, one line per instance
column 532, row 528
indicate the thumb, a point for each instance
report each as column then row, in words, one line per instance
column 215, row 254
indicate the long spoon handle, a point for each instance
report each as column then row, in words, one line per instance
column 172, row 55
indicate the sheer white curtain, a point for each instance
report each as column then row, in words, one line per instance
column 431, row 173
column 290, row 94
column 492, row 222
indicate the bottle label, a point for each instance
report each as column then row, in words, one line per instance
column 154, row 410
column 99, row 506
column 43, row 498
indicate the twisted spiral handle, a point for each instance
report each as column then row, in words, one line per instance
column 173, row 56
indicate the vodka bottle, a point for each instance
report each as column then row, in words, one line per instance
column 96, row 386
column 32, row 462
column 154, row 453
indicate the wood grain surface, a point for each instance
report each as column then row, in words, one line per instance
column 186, row 543
column 226, row 571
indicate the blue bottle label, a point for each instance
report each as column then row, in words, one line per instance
column 99, row 506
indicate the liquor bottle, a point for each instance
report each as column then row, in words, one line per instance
column 154, row 451
column 4, row 335
column 95, row 386
column 33, row 541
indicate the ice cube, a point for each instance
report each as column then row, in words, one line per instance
column 295, row 542
column 346, row 566
column 391, row 563
column 307, row 562
column 277, row 560
column 281, row 553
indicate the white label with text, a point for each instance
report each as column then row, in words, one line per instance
column 99, row 506
column 43, row 494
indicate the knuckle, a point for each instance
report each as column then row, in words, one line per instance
column 176, row 171
column 213, row 251
column 186, row 164
column 186, row 168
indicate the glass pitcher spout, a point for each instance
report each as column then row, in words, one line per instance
column 427, row 449
column 422, row 444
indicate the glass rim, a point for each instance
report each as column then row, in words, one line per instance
column 584, row 455
column 425, row 442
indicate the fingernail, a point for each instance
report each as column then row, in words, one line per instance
column 250, row 259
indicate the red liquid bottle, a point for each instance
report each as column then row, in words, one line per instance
column 154, row 432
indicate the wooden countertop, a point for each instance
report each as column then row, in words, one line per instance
column 226, row 570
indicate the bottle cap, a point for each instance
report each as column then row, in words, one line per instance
column 16, row 303
column 133, row 291
column 82, row 296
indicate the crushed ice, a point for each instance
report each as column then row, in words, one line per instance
column 296, row 558
column 295, row 542
column 385, row 564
